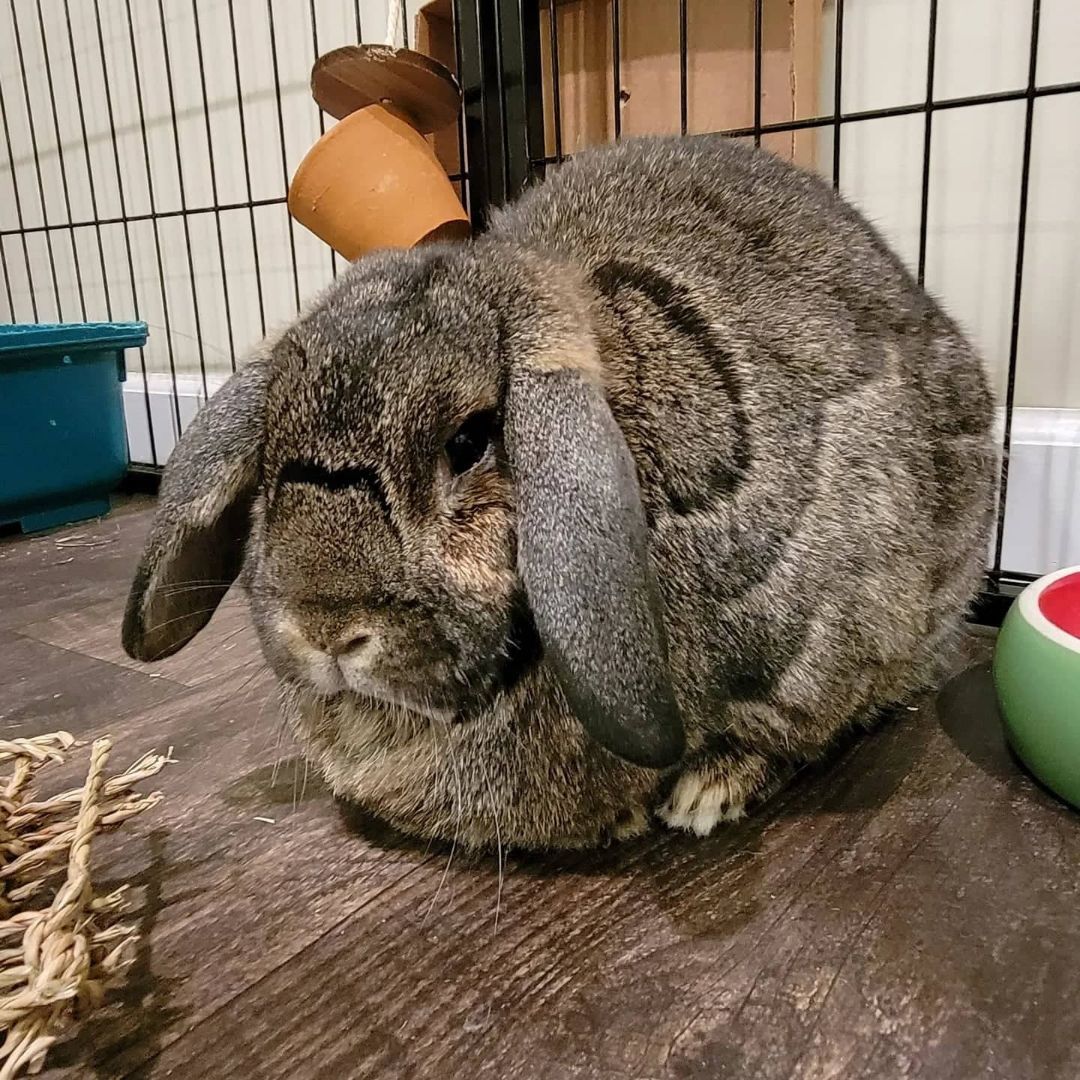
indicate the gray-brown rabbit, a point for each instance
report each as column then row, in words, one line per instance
column 623, row 508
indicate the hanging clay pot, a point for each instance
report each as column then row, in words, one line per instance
column 373, row 181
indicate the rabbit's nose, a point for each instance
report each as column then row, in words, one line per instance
column 349, row 643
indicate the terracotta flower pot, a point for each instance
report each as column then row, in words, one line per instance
column 373, row 181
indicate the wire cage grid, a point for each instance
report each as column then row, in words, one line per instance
column 125, row 257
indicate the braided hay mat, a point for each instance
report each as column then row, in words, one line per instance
column 60, row 948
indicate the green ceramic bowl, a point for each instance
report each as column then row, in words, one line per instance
column 1037, row 674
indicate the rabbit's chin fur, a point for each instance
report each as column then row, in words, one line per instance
column 729, row 494
column 477, row 780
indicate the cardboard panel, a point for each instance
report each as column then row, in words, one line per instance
column 720, row 69
column 434, row 36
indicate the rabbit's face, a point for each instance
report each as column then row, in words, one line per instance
column 382, row 564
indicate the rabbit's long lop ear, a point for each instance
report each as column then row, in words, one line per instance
column 196, row 544
column 583, row 556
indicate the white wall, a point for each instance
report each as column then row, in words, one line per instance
column 976, row 157
column 336, row 25
column 974, row 202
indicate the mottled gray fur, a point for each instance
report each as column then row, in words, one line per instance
column 807, row 523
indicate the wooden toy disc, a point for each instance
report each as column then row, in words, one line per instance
column 414, row 85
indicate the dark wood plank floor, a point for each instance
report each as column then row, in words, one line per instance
column 910, row 908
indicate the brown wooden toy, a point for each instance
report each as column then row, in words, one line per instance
column 372, row 181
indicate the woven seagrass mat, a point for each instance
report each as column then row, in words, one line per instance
column 61, row 945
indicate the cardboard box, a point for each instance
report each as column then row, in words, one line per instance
column 434, row 36
column 720, row 69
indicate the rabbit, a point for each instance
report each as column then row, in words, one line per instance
column 618, row 512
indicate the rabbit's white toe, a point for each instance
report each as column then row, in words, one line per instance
column 716, row 792
column 701, row 801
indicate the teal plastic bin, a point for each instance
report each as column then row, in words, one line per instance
column 62, row 443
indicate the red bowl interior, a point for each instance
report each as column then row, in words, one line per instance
column 1060, row 604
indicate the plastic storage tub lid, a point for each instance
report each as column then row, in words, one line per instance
column 23, row 338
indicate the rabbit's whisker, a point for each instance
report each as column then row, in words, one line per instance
column 186, row 615
column 498, row 843
column 457, row 800
column 277, row 755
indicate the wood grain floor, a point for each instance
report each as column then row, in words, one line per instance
column 910, row 908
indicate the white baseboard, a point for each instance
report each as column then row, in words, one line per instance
column 1042, row 518
column 164, row 409
column 1042, row 522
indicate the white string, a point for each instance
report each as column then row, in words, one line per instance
column 393, row 22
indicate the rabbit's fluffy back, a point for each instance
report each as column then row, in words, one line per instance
column 812, row 433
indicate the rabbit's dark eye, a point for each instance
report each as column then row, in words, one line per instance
column 469, row 443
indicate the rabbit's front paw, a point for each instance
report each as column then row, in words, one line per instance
column 717, row 790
